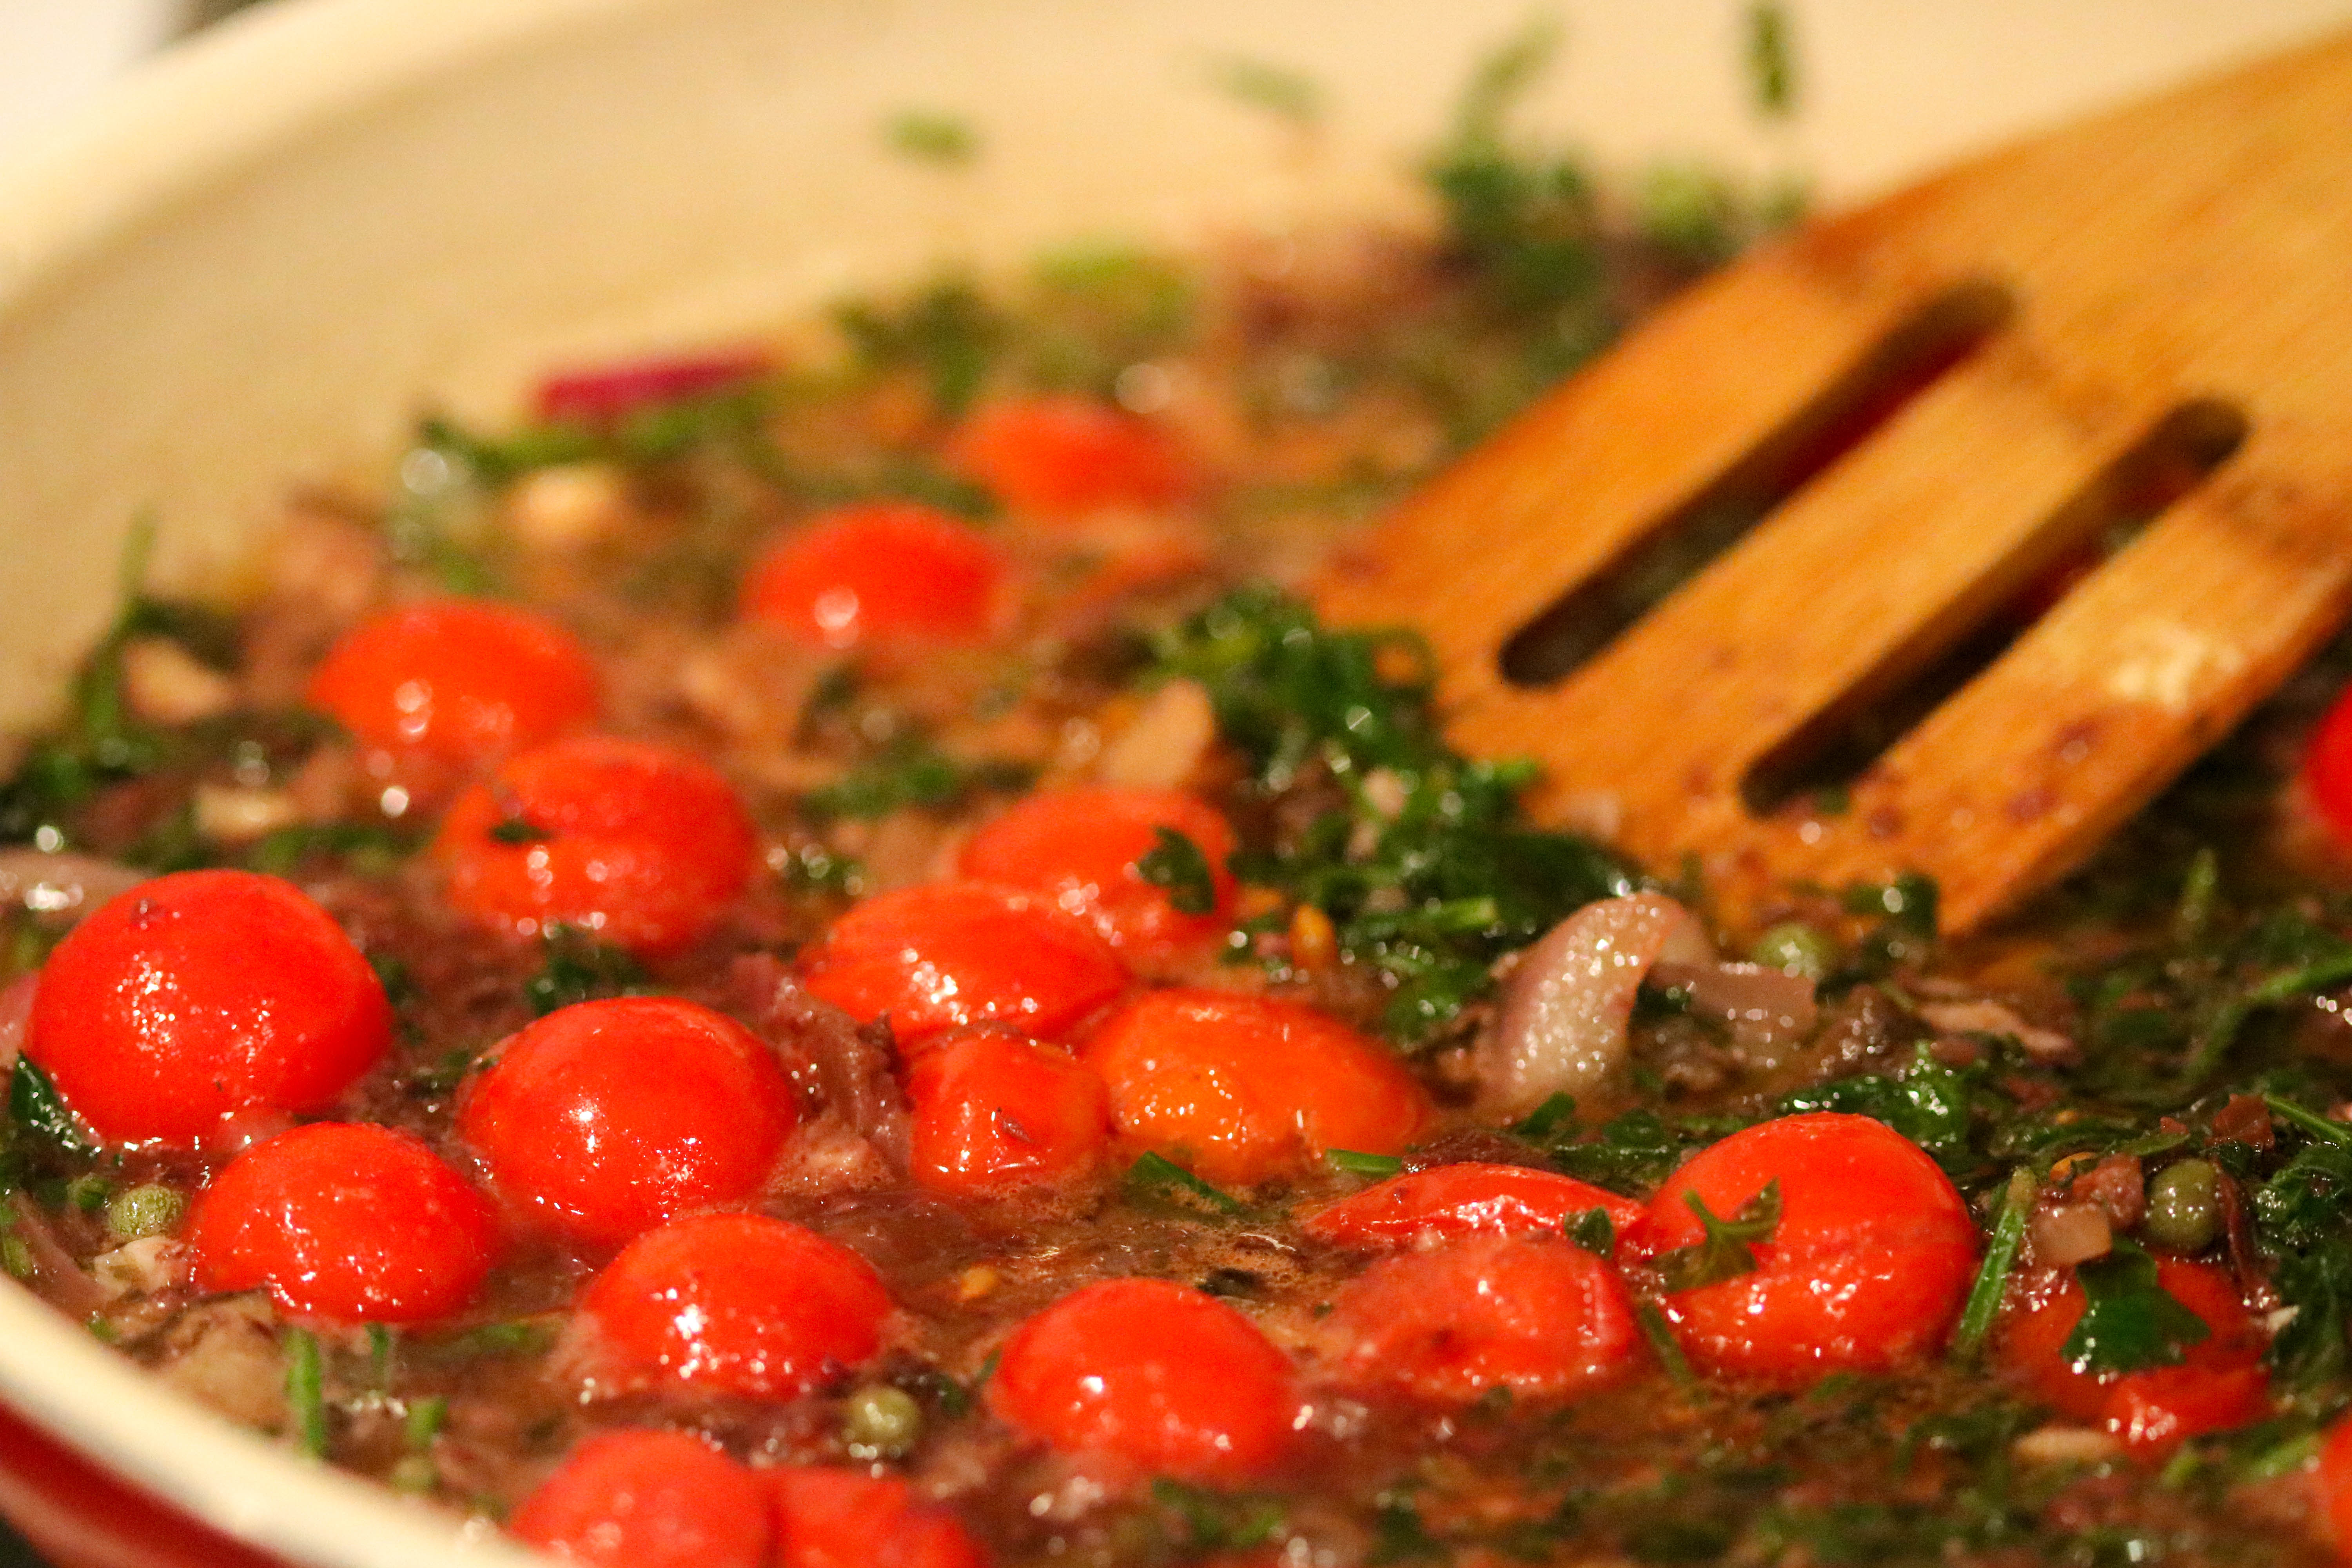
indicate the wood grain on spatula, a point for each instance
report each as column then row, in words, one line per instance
column 2192, row 253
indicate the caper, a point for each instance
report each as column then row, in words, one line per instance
column 414, row 1473
column 2184, row 1206
column 146, row 1210
column 1795, row 948
column 880, row 1422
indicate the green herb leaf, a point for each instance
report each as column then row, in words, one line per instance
column 1724, row 1253
column 2000, row 1256
column 580, row 969
column 1157, row 1177
column 518, row 830
column 1556, row 1114
column 911, row 772
column 2129, row 1322
column 1177, row 864
column 306, row 1397
column 1215, row 1521
column 1595, row 1232
column 1772, row 68
column 1378, row 1167
column 1663, row 1344
column 36, row 1106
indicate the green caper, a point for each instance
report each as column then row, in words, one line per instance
column 146, row 1210
column 413, row 1473
column 1795, row 948
column 880, row 1422
column 2184, row 1206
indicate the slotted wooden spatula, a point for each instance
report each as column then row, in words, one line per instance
column 2187, row 259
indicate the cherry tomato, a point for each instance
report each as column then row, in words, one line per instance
column 2335, row 1484
column 882, row 569
column 1062, row 456
column 947, row 954
column 735, row 1303
column 1084, row 845
column 828, row 1518
column 605, row 1119
column 640, row 845
column 1242, row 1088
column 649, row 1499
column 2327, row 767
column 994, row 1113
column 1537, row 1315
column 605, row 394
column 2217, row 1383
column 1163, row 1377
column 348, row 1221
column 455, row 684
column 1451, row 1201
column 199, row 995
column 1872, row 1255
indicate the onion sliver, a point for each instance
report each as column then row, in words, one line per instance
column 59, row 884
column 1762, row 1005
column 1566, row 1007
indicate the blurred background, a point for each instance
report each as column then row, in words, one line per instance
column 55, row 53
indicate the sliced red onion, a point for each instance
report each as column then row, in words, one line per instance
column 1763, row 1006
column 607, row 393
column 56, row 1275
column 63, row 884
column 1566, row 1007
column 16, row 1016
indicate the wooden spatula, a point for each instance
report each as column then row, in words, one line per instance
column 2180, row 270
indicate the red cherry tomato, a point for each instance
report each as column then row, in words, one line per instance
column 1083, row 846
column 735, row 1303
column 1062, row 456
column 1872, row 1256
column 994, row 1113
column 2335, row 1484
column 1163, row 1377
column 947, row 954
column 2219, row 1382
column 1242, row 1088
column 1452, row 1201
column 828, row 1518
column 605, row 1119
column 457, row 683
column 648, row 1499
column 2327, row 768
column 1537, row 1315
column 640, row 845
column 348, row 1221
column 202, row 994
column 889, row 569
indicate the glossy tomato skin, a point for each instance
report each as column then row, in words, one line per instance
column 346, row 1221
column 2219, row 1382
column 1162, row 1376
column 1448, row 1201
column 1242, row 1088
column 832, row 1518
column 995, row 1113
column 945, row 955
column 603, row 1120
column 648, row 1499
column 881, row 569
column 1081, row 847
column 2327, row 768
column 1062, row 457
column 1537, row 1315
column 200, row 994
column 2333, row 1484
column 637, row 845
column 458, row 683
column 734, row 1303
column 1872, row 1258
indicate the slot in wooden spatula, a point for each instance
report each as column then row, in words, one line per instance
column 2184, row 262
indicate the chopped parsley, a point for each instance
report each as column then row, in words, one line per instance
column 1176, row 863
column 2130, row 1322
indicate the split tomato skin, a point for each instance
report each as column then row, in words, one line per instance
column 879, row 570
column 455, row 684
column 734, row 1303
column 1062, row 456
column 1164, row 1378
column 1242, row 1088
column 1537, row 1315
column 637, row 845
column 994, row 1113
column 603, row 1120
column 1451, row 1202
column 200, row 994
column 346, row 1221
column 1082, row 847
column 947, row 955
column 2219, row 1382
column 648, row 1499
column 833, row 1517
column 1867, row 1269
